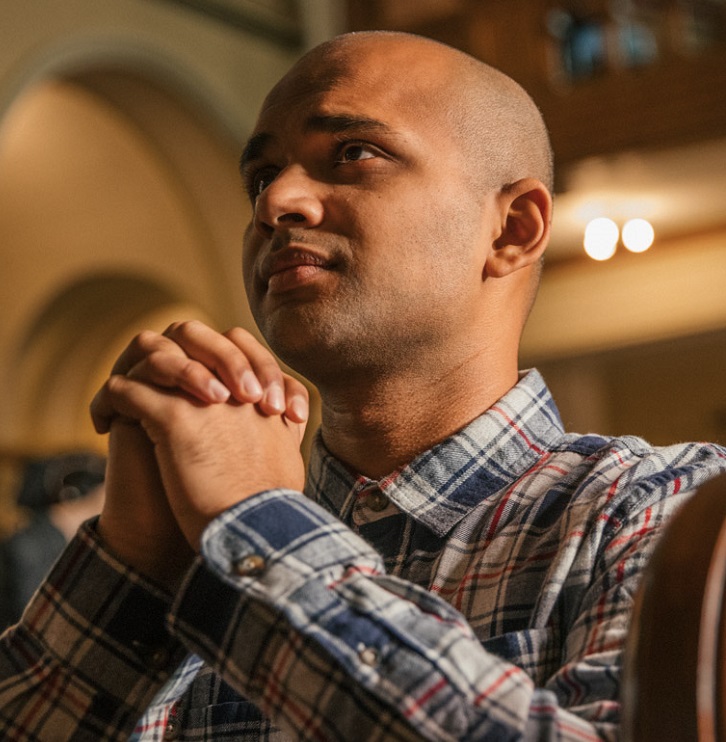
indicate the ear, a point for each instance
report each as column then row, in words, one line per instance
column 525, row 212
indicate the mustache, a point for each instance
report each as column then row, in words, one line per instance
column 301, row 238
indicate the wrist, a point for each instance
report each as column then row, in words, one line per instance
column 162, row 557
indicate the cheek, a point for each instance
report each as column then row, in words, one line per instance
column 445, row 261
column 249, row 253
column 428, row 232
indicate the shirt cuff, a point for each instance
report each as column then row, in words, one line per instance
column 265, row 548
column 278, row 540
column 276, row 551
column 93, row 611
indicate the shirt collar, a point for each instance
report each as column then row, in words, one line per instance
column 440, row 486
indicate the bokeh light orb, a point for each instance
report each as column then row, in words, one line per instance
column 638, row 235
column 601, row 238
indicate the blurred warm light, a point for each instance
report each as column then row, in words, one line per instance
column 638, row 235
column 601, row 238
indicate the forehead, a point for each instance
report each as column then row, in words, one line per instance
column 367, row 88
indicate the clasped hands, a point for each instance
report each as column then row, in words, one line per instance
column 198, row 421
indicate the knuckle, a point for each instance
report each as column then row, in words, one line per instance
column 184, row 328
column 115, row 384
column 146, row 340
column 152, row 366
column 238, row 334
column 245, row 341
column 189, row 370
column 194, row 325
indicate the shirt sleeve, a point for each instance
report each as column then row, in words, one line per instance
column 90, row 652
column 296, row 612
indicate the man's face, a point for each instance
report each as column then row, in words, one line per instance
column 365, row 245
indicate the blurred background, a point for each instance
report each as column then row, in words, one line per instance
column 121, row 125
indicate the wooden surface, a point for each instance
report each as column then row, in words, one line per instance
column 674, row 683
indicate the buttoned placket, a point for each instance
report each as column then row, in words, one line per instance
column 371, row 504
column 172, row 730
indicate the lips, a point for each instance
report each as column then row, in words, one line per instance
column 292, row 267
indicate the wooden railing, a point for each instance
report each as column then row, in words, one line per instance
column 675, row 96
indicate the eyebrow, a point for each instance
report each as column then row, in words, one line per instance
column 338, row 123
column 330, row 124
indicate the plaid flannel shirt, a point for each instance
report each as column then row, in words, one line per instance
column 482, row 593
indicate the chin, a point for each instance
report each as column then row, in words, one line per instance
column 317, row 344
column 295, row 348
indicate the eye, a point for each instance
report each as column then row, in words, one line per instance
column 355, row 151
column 259, row 180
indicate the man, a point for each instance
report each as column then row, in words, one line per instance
column 468, row 569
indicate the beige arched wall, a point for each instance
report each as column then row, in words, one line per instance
column 117, row 201
column 69, row 350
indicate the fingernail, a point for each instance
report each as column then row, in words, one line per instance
column 218, row 391
column 251, row 386
column 275, row 398
column 300, row 407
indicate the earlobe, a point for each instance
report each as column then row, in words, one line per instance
column 526, row 209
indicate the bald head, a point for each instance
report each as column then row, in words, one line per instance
column 419, row 175
column 500, row 129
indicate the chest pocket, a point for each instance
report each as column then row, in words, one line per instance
column 240, row 720
column 210, row 709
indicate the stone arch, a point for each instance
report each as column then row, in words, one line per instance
column 95, row 289
column 70, row 347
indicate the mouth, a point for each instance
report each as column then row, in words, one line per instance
column 292, row 268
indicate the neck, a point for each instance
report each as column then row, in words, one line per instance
column 376, row 426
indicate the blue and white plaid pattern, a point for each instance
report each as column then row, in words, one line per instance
column 482, row 592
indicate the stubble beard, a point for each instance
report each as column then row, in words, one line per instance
column 339, row 340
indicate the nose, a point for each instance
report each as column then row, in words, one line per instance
column 289, row 201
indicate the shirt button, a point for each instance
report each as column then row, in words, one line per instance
column 368, row 656
column 173, row 729
column 377, row 501
column 156, row 658
column 249, row 566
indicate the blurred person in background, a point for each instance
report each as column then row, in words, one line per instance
column 58, row 493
